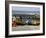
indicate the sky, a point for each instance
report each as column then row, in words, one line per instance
column 25, row 10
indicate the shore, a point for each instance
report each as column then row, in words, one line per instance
column 26, row 27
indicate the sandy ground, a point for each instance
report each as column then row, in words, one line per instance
column 25, row 27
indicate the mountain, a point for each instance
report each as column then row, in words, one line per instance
column 26, row 12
